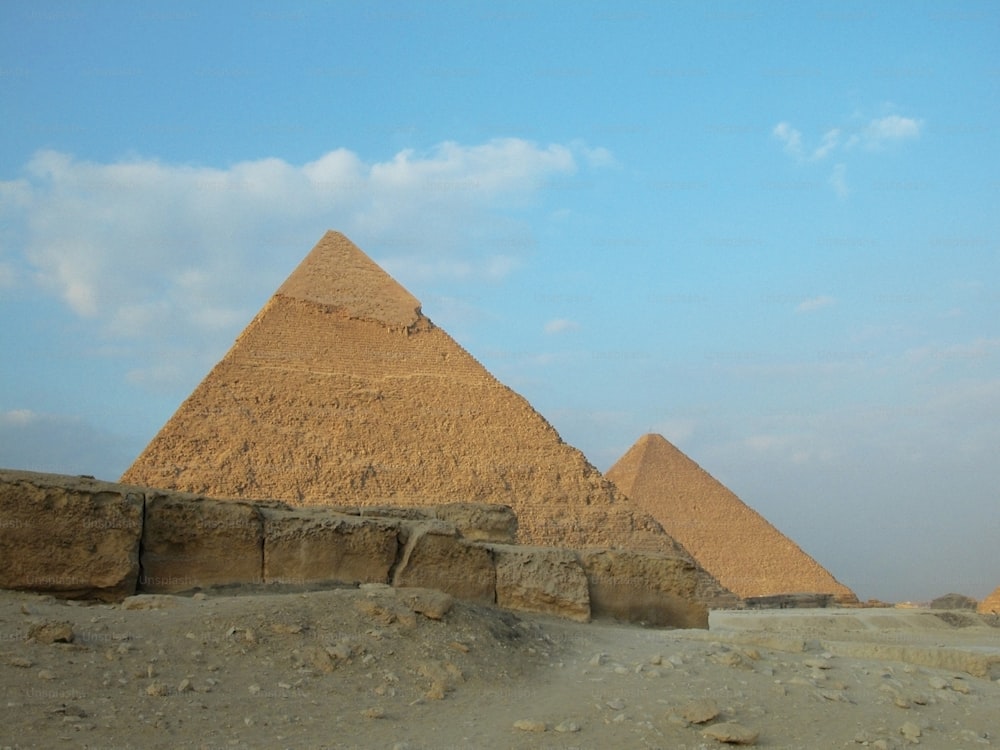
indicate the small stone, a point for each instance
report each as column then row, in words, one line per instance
column 20, row 661
column 185, row 686
column 200, row 596
column 459, row 647
column 437, row 691
column 427, row 602
column 567, row 726
column 731, row 733
column 817, row 664
column 530, row 725
column 598, row 659
column 51, row 632
column 375, row 712
column 617, row 704
column 938, row 683
column 910, row 731
column 46, row 674
column 254, row 689
column 700, row 711
column 960, row 686
column 656, row 660
column 158, row 689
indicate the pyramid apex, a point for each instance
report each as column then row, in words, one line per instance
column 337, row 274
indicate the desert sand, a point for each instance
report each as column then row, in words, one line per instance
column 358, row 668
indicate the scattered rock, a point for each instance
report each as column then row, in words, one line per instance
column 700, row 711
column 427, row 602
column 910, row 731
column 731, row 733
column 530, row 725
column 375, row 712
column 20, row 661
column 150, row 601
column 158, row 689
column 51, row 632
column 567, row 726
column 46, row 674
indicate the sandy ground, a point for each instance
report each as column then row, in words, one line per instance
column 355, row 668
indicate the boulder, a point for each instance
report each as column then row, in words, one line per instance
column 646, row 587
column 72, row 537
column 191, row 542
column 435, row 556
column 314, row 545
column 541, row 579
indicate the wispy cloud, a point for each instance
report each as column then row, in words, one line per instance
column 815, row 303
column 838, row 180
column 560, row 325
column 885, row 130
column 873, row 135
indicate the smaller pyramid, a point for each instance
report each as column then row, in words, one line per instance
column 731, row 540
column 991, row 604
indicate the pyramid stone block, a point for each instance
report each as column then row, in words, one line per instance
column 728, row 538
column 341, row 392
column 72, row 537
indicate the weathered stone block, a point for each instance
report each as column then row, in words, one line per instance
column 191, row 542
column 479, row 522
column 72, row 537
column 644, row 587
column 314, row 545
column 541, row 579
column 436, row 557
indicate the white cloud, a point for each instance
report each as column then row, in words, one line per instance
column 791, row 137
column 891, row 128
column 873, row 135
column 815, row 303
column 831, row 139
column 561, row 325
column 142, row 247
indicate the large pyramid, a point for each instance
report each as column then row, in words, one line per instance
column 730, row 539
column 341, row 392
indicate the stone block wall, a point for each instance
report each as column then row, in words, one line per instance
column 80, row 538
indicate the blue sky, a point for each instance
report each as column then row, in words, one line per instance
column 767, row 231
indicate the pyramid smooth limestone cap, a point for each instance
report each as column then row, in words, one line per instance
column 336, row 273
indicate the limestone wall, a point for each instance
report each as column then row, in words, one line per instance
column 81, row 538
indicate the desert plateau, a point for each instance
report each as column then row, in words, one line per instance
column 358, row 668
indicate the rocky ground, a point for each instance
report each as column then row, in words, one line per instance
column 383, row 668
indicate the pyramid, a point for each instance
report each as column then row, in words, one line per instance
column 341, row 392
column 991, row 604
column 731, row 540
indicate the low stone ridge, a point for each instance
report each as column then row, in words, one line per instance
column 71, row 537
column 991, row 604
column 189, row 543
column 731, row 540
column 314, row 546
column 436, row 557
column 644, row 587
column 789, row 601
column 547, row 580
column 340, row 391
